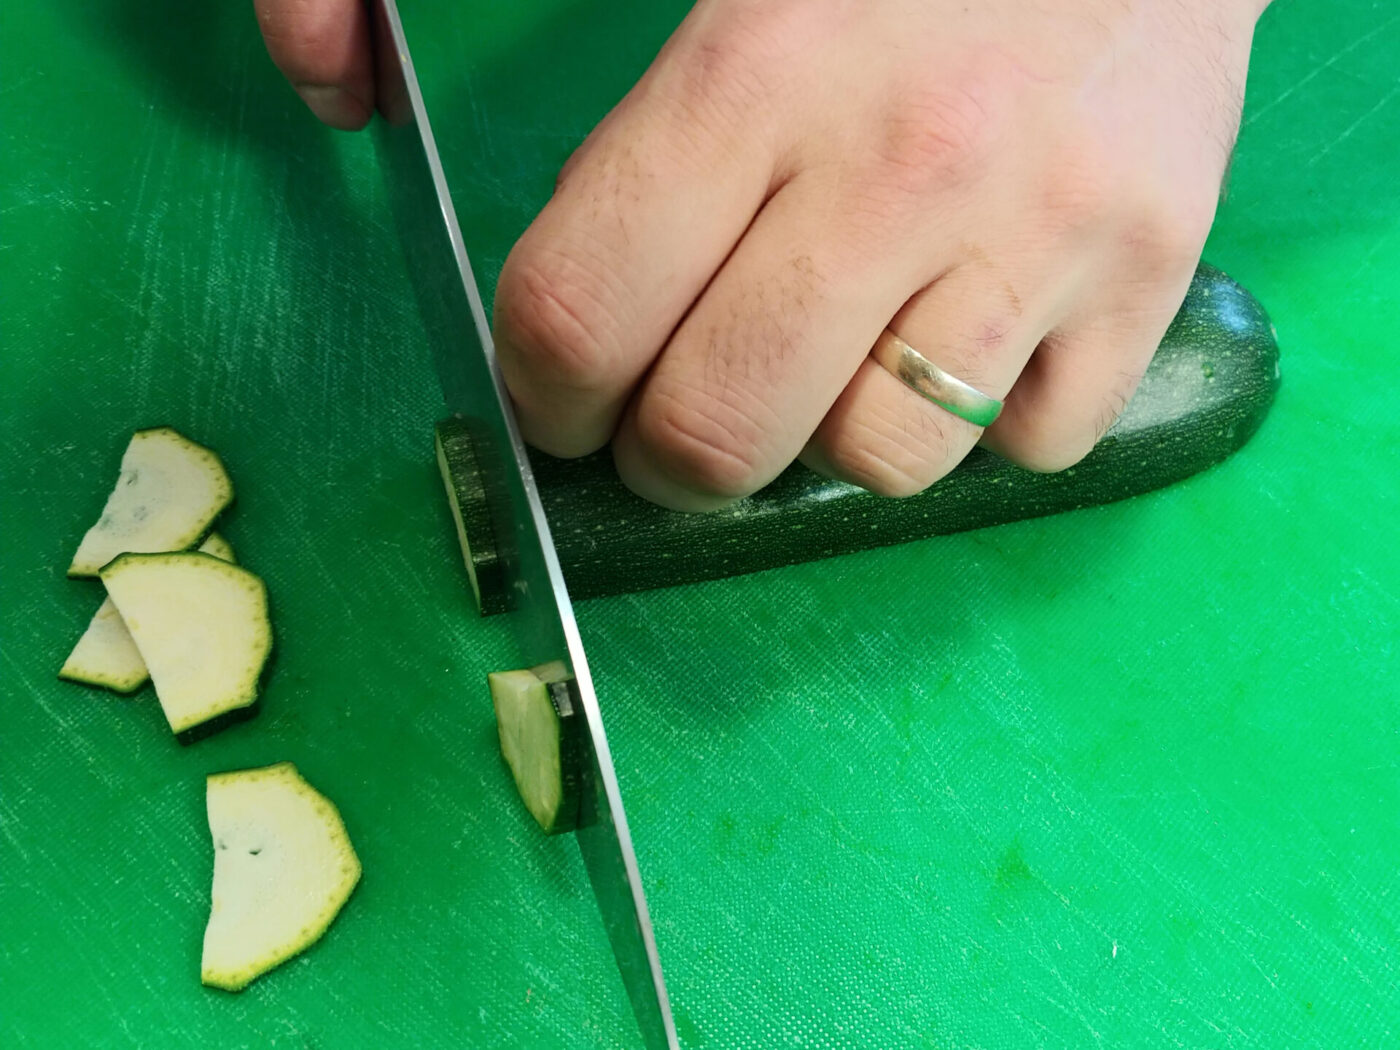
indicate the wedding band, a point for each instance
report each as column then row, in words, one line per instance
column 924, row 377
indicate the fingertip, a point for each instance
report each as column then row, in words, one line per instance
column 335, row 106
column 652, row 473
column 324, row 49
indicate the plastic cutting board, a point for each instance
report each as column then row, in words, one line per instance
column 1126, row 777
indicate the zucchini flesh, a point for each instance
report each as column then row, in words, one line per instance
column 168, row 493
column 283, row 869
column 106, row 656
column 202, row 628
column 1206, row 392
column 540, row 729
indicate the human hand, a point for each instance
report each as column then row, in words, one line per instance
column 324, row 48
column 1019, row 188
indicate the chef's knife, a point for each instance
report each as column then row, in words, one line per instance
column 538, row 603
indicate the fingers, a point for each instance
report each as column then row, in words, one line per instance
column 323, row 47
column 972, row 324
column 763, row 354
column 641, row 219
column 1080, row 380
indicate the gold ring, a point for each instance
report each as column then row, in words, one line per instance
column 925, row 378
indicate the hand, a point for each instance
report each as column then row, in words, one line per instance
column 1018, row 188
column 324, row 48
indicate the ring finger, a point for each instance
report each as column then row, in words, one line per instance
column 970, row 323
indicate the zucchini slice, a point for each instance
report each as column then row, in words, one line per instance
column 219, row 547
column 168, row 493
column 201, row 626
column 105, row 654
column 283, row 869
column 541, row 730
column 466, row 495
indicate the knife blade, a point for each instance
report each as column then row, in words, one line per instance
column 539, row 610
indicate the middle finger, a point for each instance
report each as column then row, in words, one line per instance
column 765, row 351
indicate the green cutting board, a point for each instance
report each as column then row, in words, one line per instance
column 1126, row 777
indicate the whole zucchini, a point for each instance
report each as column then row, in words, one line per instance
column 1206, row 392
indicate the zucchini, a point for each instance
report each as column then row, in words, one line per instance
column 168, row 493
column 1206, row 392
column 283, row 869
column 106, row 656
column 201, row 626
column 541, row 729
column 466, row 496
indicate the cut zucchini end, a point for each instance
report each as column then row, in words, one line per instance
column 466, row 496
column 539, row 729
column 551, row 672
column 202, row 627
column 168, row 493
column 284, row 867
column 198, row 731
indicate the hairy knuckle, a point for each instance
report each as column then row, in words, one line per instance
column 559, row 317
column 699, row 441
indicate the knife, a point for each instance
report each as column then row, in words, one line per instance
column 538, row 610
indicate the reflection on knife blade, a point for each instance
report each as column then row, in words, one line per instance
column 538, row 609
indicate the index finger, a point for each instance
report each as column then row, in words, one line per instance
column 323, row 47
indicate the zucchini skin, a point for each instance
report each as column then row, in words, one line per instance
column 468, row 498
column 563, row 695
column 235, row 715
column 1208, row 389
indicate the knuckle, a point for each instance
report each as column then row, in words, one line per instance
column 1168, row 231
column 937, row 138
column 700, row 441
column 720, row 77
column 1081, row 191
column 559, row 319
column 730, row 69
column 1177, row 236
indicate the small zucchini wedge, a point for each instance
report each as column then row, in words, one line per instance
column 168, row 493
column 106, row 656
column 201, row 626
column 215, row 545
column 283, row 869
column 541, row 731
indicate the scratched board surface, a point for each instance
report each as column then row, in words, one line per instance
column 1126, row 777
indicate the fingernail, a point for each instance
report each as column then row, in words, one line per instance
column 335, row 106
